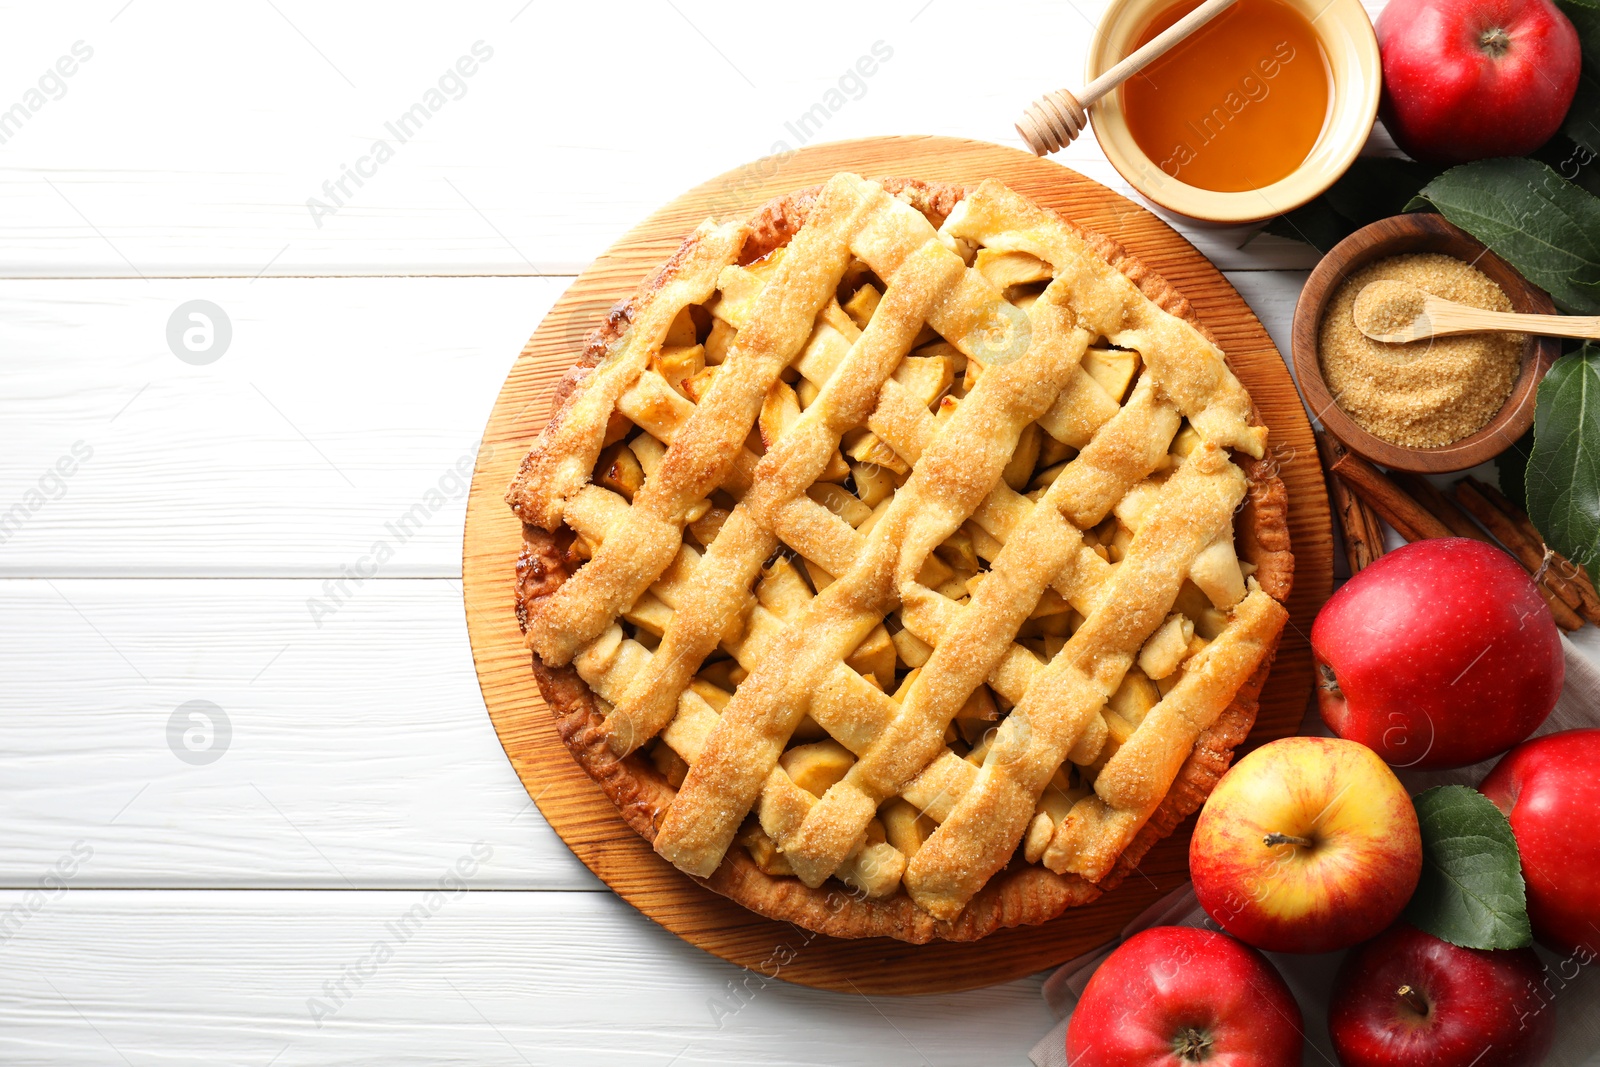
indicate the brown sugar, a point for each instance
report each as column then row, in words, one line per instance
column 1422, row 394
column 1384, row 307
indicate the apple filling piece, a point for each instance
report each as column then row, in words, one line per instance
column 906, row 550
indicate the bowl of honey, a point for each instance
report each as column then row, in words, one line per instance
column 1255, row 113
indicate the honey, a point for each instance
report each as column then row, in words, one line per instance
column 1239, row 104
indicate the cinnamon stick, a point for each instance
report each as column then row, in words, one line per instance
column 1415, row 522
column 1525, row 553
column 1572, row 573
column 1565, row 617
column 1587, row 591
column 1398, row 509
column 1470, row 493
column 1363, row 534
column 1517, row 532
column 1363, row 530
column 1446, row 510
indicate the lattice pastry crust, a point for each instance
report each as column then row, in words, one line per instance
column 903, row 562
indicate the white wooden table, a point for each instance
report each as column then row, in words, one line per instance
column 342, row 868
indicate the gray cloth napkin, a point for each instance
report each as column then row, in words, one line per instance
column 1576, row 990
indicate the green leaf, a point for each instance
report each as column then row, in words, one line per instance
column 1582, row 123
column 1564, row 470
column 1377, row 187
column 1574, row 162
column 1548, row 228
column 1471, row 893
column 1511, row 467
column 1373, row 188
column 1313, row 223
column 1583, row 118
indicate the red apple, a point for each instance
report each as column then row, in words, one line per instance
column 1176, row 996
column 1549, row 789
column 1308, row 844
column 1470, row 79
column 1438, row 655
column 1408, row 999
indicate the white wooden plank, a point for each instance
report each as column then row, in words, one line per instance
column 360, row 753
column 357, row 751
column 339, row 405
column 569, row 133
column 338, row 408
column 487, row 978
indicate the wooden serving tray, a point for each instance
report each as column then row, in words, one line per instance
column 575, row 806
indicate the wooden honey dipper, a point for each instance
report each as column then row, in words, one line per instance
column 1054, row 120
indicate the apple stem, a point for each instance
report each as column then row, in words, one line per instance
column 1192, row 1045
column 1330, row 681
column 1495, row 41
column 1274, row 839
column 1414, row 1000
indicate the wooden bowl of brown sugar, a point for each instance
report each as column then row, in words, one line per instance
column 1405, row 235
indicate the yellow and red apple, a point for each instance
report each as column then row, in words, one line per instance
column 1308, row 844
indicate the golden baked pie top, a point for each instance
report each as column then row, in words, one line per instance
column 900, row 535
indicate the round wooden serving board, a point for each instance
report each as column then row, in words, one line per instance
column 575, row 806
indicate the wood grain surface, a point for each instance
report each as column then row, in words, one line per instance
column 575, row 806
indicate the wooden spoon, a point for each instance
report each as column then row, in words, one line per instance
column 1396, row 313
column 1055, row 119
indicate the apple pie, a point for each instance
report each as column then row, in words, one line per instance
column 903, row 561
